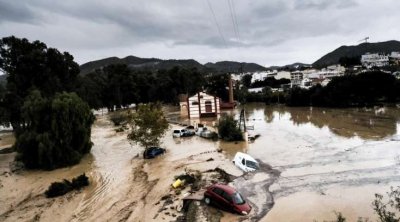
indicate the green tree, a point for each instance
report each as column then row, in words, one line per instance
column 56, row 131
column 218, row 85
column 92, row 89
column 228, row 129
column 246, row 80
column 148, row 125
column 30, row 66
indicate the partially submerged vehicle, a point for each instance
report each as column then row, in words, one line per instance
column 204, row 132
column 182, row 133
column 227, row 198
column 152, row 152
column 245, row 162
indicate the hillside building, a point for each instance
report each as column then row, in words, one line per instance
column 370, row 60
column 394, row 58
column 295, row 78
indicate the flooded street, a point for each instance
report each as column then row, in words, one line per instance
column 329, row 159
column 313, row 162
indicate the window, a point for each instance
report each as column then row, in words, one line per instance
column 238, row 199
column 252, row 164
column 243, row 162
column 227, row 197
column 208, row 102
column 195, row 103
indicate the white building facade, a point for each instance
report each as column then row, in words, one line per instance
column 370, row 60
column 202, row 105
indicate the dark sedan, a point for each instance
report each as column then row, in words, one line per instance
column 227, row 198
column 152, row 152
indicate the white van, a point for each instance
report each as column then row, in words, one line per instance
column 245, row 162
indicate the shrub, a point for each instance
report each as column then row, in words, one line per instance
column 228, row 129
column 60, row 188
column 80, row 181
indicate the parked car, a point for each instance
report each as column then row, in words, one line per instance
column 204, row 132
column 245, row 162
column 152, row 152
column 182, row 133
column 176, row 133
column 227, row 198
column 190, row 128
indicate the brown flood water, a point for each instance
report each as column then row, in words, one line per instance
column 313, row 162
column 329, row 160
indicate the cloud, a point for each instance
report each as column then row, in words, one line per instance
column 14, row 11
column 269, row 31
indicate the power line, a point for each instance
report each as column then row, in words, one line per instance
column 235, row 18
column 216, row 23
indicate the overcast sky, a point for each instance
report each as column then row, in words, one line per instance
column 268, row 32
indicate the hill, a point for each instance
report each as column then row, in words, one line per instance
column 134, row 62
column 356, row 51
column 231, row 66
column 154, row 64
column 294, row 66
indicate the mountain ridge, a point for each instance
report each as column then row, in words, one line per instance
column 334, row 56
column 154, row 64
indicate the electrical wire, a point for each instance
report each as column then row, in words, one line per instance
column 216, row 23
column 234, row 19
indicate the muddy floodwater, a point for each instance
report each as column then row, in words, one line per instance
column 329, row 160
column 313, row 162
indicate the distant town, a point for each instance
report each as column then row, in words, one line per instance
column 305, row 76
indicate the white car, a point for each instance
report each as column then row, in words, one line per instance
column 245, row 162
column 182, row 133
column 176, row 133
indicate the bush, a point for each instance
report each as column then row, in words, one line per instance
column 228, row 129
column 80, row 181
column 60, row 188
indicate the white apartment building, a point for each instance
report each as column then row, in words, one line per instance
column 283, row 75
column 394, row 58
column 295, row 78
column 395, row 55
column 261, row 76
column 370, row 60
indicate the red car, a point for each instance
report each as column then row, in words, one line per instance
column 227, row 198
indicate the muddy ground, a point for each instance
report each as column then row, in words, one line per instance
column 313, row 162
column 124, row 186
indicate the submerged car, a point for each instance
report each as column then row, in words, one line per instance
column 227, row 198
column 152, row 152
column 245, row 162
column 176, row 133
column 182, row 133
